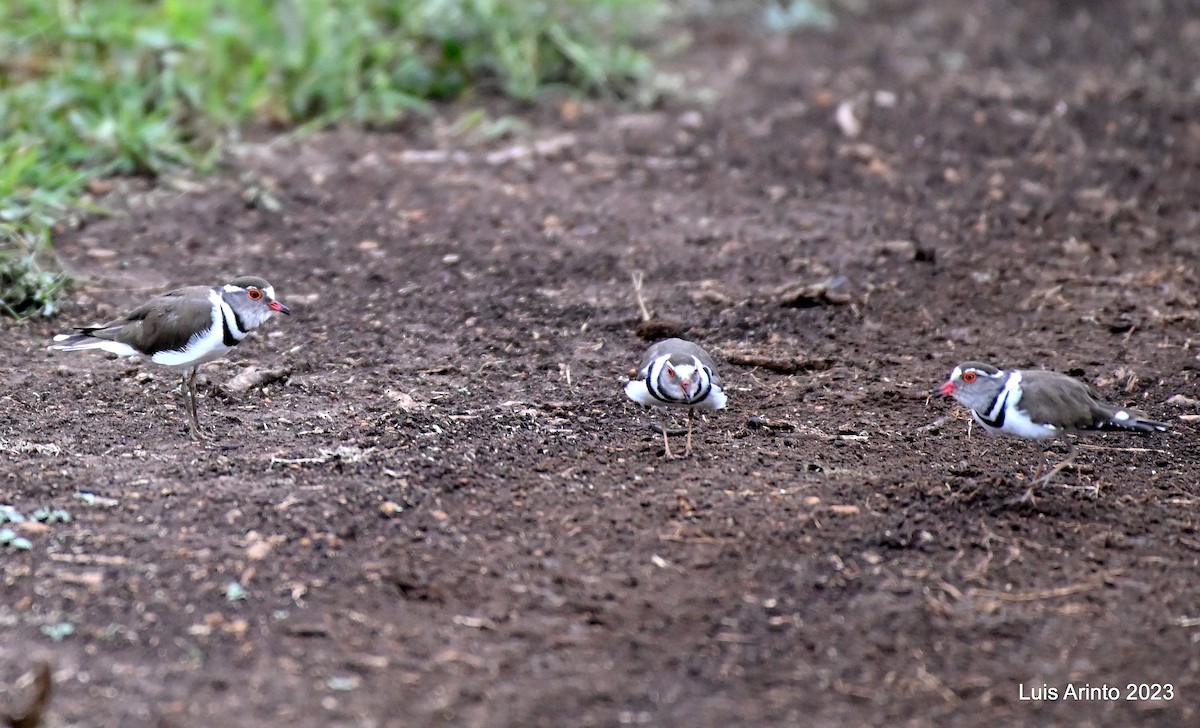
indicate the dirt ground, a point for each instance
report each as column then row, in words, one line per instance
column 445, row 513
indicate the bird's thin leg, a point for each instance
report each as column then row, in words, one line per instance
column 666, row 442
column 1042, row 465
column 691, row 415
column 1063, row 465
column 1027, row 497
column 185, row 390
column 193, row 415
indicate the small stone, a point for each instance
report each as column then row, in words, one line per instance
column 32, row 528
column 906, row 249
column 847, row 120
column 235, row 592
column 691, row 119
column 344, row 683
column 403, row 400
column 258, row 550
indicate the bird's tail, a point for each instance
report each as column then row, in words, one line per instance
column 75, row 342
column 84, row 340
column 1131, row 421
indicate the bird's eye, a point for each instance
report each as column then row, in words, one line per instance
column 969, row 377
column 254, row 294
column 671, row 373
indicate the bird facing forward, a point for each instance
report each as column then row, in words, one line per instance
column 677, row 373
column 183, row 329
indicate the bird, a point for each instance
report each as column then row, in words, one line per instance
column 677, row 373
column 183, row 329
column 1038, row 405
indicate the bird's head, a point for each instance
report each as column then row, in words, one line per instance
column 973, row 384
column 253, row 299
column 682, row 380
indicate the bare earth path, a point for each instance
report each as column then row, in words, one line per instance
column 446, row 514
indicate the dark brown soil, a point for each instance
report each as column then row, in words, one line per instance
column 447, row 513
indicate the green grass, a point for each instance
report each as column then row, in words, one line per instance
column 26, row 285
column 137, row 87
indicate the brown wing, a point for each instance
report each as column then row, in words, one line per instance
column 1057, row 399
column 164, row 323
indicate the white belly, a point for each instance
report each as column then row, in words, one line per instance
column 202, row 347
column 1018, row 424
column 637, row 390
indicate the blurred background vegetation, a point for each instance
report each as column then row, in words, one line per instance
column 137, row 87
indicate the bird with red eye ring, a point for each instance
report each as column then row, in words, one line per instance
column 184, row 329
column 677, row 373
column 1036, row 404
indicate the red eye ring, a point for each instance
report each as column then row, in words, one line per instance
column 254, row 294
column 969, row 377
column 671, row 373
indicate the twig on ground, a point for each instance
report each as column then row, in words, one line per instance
column 252, row 377
column 638, row 278
column 1110, row 448
column 344, row 453
column 21, row 447
column 1036, row 595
